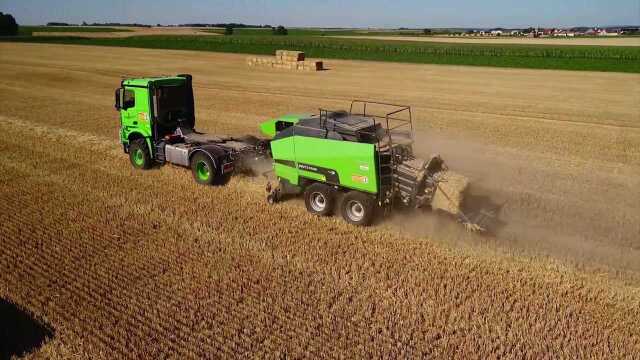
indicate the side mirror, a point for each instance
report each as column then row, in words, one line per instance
column 119, row 100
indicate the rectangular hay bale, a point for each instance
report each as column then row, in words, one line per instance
column 450, row 192
column 289, row 55
column 313, row 65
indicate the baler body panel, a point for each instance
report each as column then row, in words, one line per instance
column 284, row 159
column 347, row 164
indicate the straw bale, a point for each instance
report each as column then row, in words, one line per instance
column 450, row 193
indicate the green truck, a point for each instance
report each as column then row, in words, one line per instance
column 157, row 126
column 360, row 161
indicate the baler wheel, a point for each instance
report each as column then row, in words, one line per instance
column 358, row 208
column 319, row 199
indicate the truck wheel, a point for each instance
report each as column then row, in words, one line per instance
column 205, row 172
column 357, row 208
column 203, row 169
column 139, row 154
column 319, row 199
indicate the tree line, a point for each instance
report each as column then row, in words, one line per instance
column 84, row 23
column 276, row 30
column 8, row 25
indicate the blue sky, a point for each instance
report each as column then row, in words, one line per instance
column 336, row 13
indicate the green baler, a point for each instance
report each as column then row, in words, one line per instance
column 359, row 159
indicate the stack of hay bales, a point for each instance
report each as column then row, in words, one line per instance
column 285, row 59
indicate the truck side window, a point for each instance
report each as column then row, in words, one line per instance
column 129, row 99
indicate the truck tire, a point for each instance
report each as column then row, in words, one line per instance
column 205, row 172
column 139, row 154
column 358, row 208
column 319, row 199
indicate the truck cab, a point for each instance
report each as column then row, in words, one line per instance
column 151, row 108
column 157, row 125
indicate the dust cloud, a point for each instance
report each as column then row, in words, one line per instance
column 579, row 212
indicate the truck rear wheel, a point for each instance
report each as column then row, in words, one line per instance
column 357, row 208
column 139, row 154
column 205, row 172
column 319, row 199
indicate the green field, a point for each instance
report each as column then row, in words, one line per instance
column 29, row 30
column 563, row 57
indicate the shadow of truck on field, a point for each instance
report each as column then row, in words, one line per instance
column 20, row 333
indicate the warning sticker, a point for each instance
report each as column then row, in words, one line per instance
column 360, row 179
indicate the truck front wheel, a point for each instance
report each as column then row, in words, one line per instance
column 139, row 154
column 319, row 199
column 358, row 208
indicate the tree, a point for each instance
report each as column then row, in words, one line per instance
column 8, row 25
column 280, row 30
column 426, row 31
column 228, row 30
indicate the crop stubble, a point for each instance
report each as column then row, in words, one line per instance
column 145, row 264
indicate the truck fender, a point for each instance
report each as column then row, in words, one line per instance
column 135, row 136
column 216, row 153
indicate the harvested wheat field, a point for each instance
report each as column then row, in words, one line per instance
column 120, row 263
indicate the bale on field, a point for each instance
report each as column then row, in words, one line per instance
column 450, row 192
column 311, row 65
column 316, row 65
column 285, row 59
column 288, row 55
column 262, row 61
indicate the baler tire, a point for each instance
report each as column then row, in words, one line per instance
column 319, row 199
column 358, row 208
column 139, row 154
